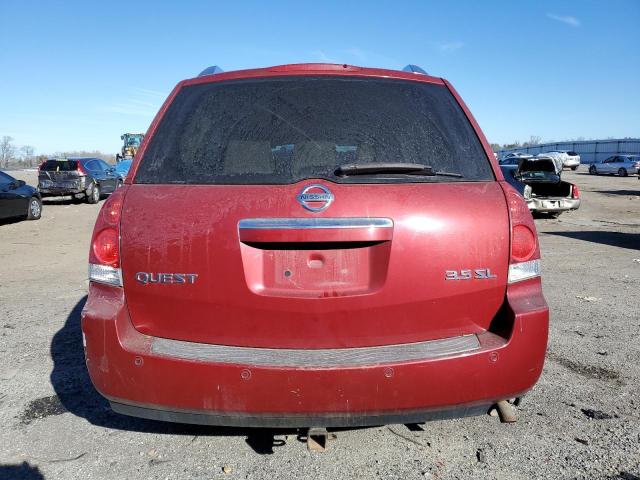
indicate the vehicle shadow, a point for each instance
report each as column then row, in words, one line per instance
column 73, row 387
column 12, row 220
column 596, row 175
column 615, row 239
column 620, row 192
column 62, row 201
column 22, row 471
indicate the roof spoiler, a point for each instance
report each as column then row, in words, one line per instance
column 414, row 69
column 212, row 70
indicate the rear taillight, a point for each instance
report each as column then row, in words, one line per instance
column 524, row 262
column 81, row 169
column 105, row 247
column 523, row 243
column 575, row 192
column 104, row 254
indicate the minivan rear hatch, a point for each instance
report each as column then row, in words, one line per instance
column 240, row 227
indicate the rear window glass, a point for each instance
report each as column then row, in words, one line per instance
column 59, row 165
column 278, row 131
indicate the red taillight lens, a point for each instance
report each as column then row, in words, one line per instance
column 105, row 243
column 575, row 192
column 524, row 263
column 106, row 248
column 523, row 243
column 80, row 168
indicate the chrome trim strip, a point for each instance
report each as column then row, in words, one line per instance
column 312, row 358
column 312, row 223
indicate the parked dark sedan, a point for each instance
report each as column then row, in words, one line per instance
column 17, row 199
column 88, row 178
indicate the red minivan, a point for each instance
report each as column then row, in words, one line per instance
column 314, row 245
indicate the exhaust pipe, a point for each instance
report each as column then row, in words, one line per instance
column 506, row 412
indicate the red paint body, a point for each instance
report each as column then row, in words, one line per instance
column 389, row 290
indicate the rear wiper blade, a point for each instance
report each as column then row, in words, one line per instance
column 394, row 167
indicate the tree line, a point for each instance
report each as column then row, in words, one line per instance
column 533, row 140
column 12, row 156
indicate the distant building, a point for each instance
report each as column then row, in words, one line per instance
column 590, row 151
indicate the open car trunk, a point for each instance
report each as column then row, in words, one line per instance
column 561, row 189
column 541, row 174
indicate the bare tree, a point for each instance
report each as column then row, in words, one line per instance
column 27, row 155
column 533, row 140
column 515, row 144
column 7, row 151
column 107, row 157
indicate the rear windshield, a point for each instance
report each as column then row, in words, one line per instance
column 283, row 130
column 59, row 165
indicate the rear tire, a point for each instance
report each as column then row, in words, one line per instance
column 622, row 172
column 592, row 170
column 34, row 210
column 94, row 194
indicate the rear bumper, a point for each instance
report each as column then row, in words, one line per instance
column 327, row 420
column 571, row 163
column 58, row 192
column 144, row 381
column 553, row 204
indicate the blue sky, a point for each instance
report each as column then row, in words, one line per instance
column 75, row 75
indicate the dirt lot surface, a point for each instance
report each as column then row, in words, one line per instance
column 582, row 420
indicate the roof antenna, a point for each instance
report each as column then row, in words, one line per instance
column 212, row 70
column 414, row 69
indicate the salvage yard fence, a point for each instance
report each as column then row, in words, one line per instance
column 590, row 151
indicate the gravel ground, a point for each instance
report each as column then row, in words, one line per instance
column 582, row 420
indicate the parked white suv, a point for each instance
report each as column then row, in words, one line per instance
column 569, row 158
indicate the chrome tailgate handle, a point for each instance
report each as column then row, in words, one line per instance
column 313, row 223
column 279, row 230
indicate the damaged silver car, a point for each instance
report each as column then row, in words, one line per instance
column 538, row 181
